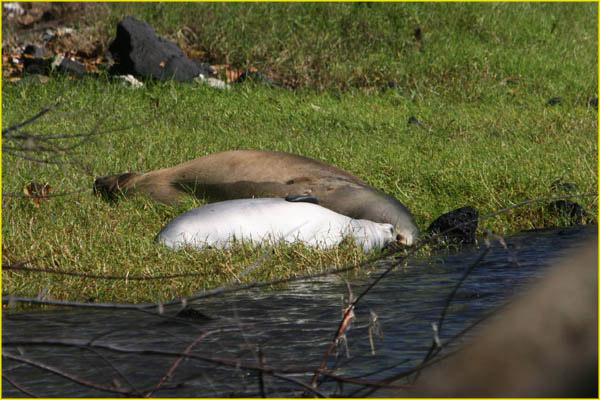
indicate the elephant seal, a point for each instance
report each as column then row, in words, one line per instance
column 271, row 220
column 240, row 174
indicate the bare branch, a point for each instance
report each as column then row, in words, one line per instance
column 305, row 386
column 45, row 196
column 18, row 386
column 10, row 299
column 16, row 127
column 134, row 391
column 65, row 375
column 171, row 371
column 21, row 266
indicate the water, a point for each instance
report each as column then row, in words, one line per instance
column 289, row 330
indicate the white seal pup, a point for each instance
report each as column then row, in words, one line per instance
column 271, row 221
column 245, row 174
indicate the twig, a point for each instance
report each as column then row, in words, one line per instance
column 16, row 127
column 171, row 371
column 539, row 199
column 262, row 258
column 28, row 143
column 298, row 382
column 70, row 377
column 20, row 266
column 387, row 381
column 15, row 299
column 233, row 363
column 152, row 351
column 431, row 361
column 340, row 334
column 450, row 297
column 134, row 390
column 44, row 196
column 17, row 386
column 261, row 377
column 374, row 329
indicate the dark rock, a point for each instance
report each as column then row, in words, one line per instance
column 554, row 101
column 70, row 67
column 391, row 85
column 593, row 102
column 414, row 121
column 251, row 76
column 137, row 50
column 48, row 15
column 567, row 209
column 191, row 314
column 456, row 226
column 417, row 34
column 36, row 60
column 259, row 77
column 38, row 65
column 564, row 186
column 205, row 68
column 34, row 51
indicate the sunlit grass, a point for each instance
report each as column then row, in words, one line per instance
column 481, row 141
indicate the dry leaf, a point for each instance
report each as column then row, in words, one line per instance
column 37, row 192
column 231, row 75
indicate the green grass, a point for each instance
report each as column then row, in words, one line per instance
column 483, row 143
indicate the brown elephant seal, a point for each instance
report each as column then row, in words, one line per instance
column 242, row 174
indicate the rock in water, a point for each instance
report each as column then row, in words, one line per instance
column 570, row 210
column 461, row 225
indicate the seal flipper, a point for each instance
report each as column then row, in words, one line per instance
column 110, row 187
column 304, row 199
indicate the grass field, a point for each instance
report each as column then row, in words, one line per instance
column 478, row 77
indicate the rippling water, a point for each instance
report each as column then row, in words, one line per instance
column 289, row 329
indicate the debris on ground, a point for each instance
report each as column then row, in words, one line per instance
column 37, row 40
column 37, row 192
column 129, row 80
column 572, row 211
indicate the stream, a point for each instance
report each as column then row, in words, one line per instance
column 288, row 330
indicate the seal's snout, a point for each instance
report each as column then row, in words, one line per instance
column 111, row 186
column 407, row 238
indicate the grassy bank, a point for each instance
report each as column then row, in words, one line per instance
column 477, row 77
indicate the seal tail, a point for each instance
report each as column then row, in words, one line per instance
column 113, row 186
